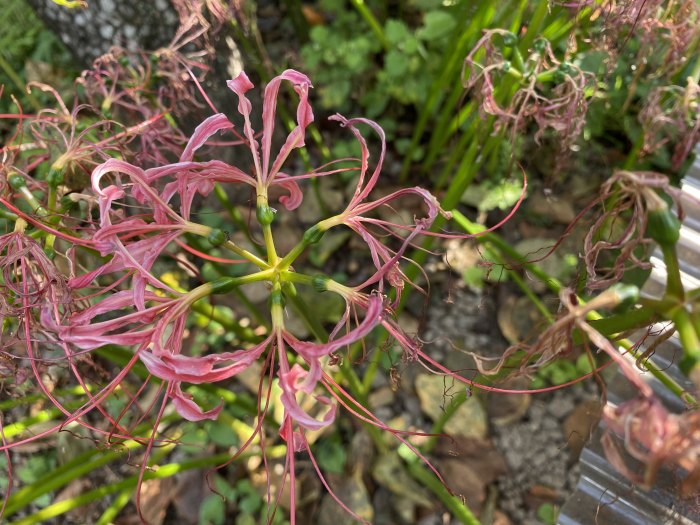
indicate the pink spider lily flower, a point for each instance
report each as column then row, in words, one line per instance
column 146, row 211
column 158, row 332
column 358, row 214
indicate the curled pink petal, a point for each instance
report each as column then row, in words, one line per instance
column 189, row 409
column 293, row 381
column 206, row 129
column 363, row 189
column 240, row 86
column 312, row 351
column 293, row 200
column 197, row 370
column 305, row 116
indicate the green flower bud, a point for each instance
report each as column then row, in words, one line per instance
column 265, row 215
column 54, row 177
column 320, row 283
column 627, row 294
column 217, row 237
column 509, row 39
column 540, row 45
column 663, row 226
column 313, row 234
column 67, row 203
column 16, row 181
column 567, row 68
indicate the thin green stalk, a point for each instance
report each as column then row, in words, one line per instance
column 205, row 231
column 527, row 290
column 371, row 21
column 534, row 28
column 686, row 333
column 220, row 269
column 454, row 504
column 21, row 86
column 122, row 499
column 674, row 286
column 245, row 254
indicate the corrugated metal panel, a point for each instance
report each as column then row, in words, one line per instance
column 603, row 496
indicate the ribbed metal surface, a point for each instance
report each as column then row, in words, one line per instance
column 603, row 496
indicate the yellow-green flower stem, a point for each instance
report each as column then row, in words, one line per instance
column 210, row 311
column 206, row 231
column 276, row 270
column 511, row 71
column 265, row 216
column 31, row 199
column 20, row 225
column 371, row 21
column 419, row 472
column 674, row 286
column 277, row 306
column 221, row 286
column 695, row 317
column 118, row 503
column 690, row 341
column 310, row 237
column 54, row 179
column 318, row 282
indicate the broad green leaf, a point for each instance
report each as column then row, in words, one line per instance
column 437, row 24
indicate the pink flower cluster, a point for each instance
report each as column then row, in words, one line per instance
column 145, row 214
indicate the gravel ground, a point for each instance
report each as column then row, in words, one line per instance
column 538, row 436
